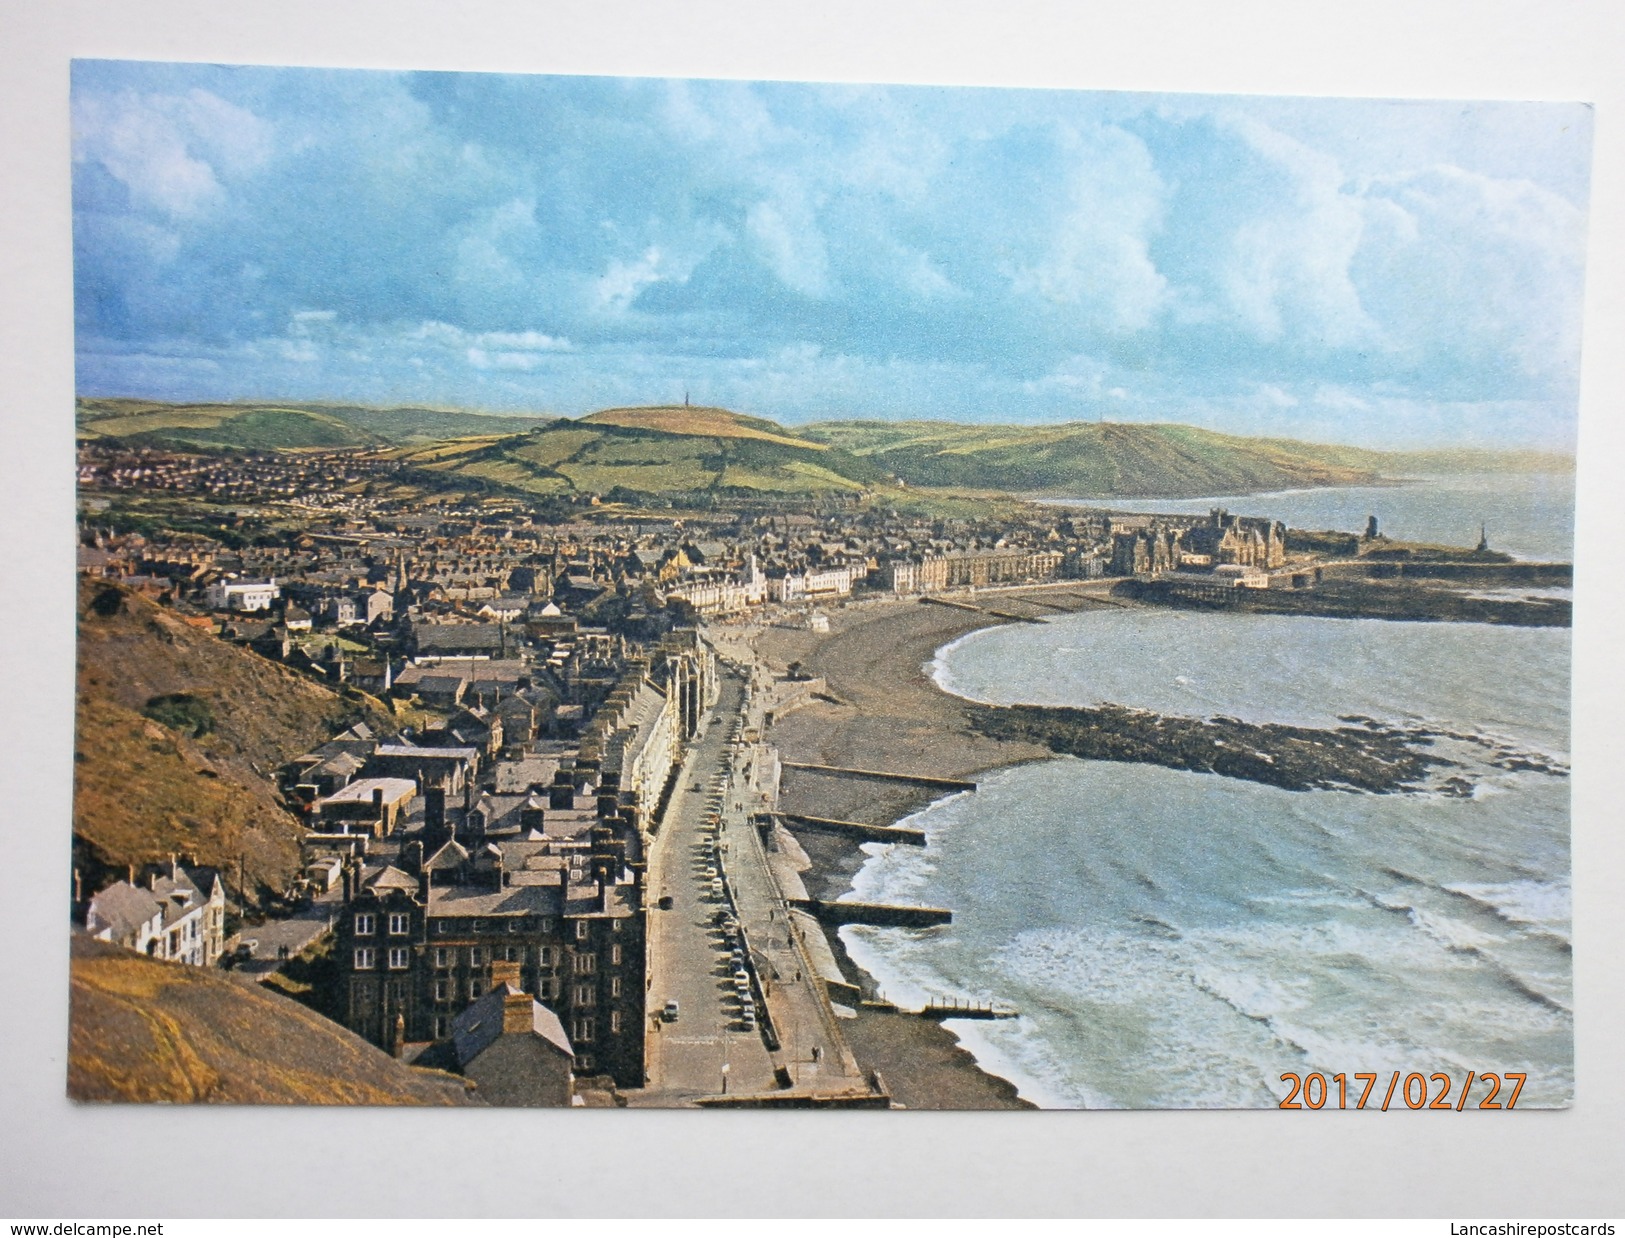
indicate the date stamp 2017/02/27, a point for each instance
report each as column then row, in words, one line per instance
column 1414, row 1090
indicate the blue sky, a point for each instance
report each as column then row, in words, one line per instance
column 1359, row 271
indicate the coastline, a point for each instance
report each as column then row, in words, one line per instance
column 887, row 713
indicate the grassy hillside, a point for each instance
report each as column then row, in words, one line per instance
column 146, row 783
column 676, row 449
column 1113, row 459
column 144, row 1031
column 1086, row 458
column 651, row 451
column 217, row 426
column 270, row 427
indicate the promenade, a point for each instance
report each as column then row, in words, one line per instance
column 707, row 1053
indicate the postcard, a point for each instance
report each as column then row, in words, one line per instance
column 608, row 592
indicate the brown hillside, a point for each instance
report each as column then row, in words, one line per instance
column 143, row 790
column 146, row 1031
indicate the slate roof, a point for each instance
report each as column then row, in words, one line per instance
column 477, row 1028
column 392, row 878
column 452, row 855
column 122, row 909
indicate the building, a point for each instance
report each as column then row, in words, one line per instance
column 825, row 582
column 243, row 595
column 552, row 892
column 450, row 769
column 1148, row 545
column 971, row 569
column 515, row 1049
column 375, row 805
column 433, row 642
column 716, row 591
column 177, row 915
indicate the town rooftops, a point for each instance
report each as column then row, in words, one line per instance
column 454, row 636
column 453, row 855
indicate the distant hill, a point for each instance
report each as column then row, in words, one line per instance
column 271, row 427
column 1133, row 460
column 145, row 1031
column 670, row 449
column 145, row 786
column 1104, row 459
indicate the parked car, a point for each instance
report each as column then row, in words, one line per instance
column 669, row 1013
column 665, row 902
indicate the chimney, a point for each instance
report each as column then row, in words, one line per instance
column 397, row 1037
column 517, row 1012
column 503, row 972
column 533, row 816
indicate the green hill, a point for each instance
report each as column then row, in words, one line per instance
column 663, row 450
column 1109, row 459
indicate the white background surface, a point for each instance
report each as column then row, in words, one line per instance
column 58, row 1160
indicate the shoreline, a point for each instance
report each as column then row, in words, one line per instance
column 887, row 713
column 881, row 709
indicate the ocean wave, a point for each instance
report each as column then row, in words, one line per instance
column 1544, row 906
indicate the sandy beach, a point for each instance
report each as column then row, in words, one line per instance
column 887, row 713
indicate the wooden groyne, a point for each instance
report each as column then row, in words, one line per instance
column 879, row 915
column 924, row 780
column 856, row 829
column 978, row 610
column 950, row 1008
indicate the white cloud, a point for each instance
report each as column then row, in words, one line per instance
column 787, row 236
column 526, row 341
column 1287, row 268
column 167, row 149
column 1098, row 259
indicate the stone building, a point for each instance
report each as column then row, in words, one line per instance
column 371, row 805
column 515, row 1049
column 554, row 890
column 1148, row 545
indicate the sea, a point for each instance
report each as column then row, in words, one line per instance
column 1182, row 940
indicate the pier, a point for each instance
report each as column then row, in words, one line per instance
column 857, row 829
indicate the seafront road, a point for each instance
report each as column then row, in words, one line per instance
column 707, row 1050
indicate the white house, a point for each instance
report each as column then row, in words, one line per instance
column 172, row 917
column 244, row 595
